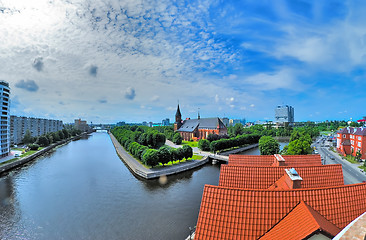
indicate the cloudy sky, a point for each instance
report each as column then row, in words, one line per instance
column 132, row 60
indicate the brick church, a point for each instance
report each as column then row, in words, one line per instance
column 199, row 128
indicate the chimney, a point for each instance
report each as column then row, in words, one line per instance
column 292, row 179
column 279, row 161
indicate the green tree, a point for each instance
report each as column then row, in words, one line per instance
column 177, row 139
column 43, row 141
column 28, row 137
column 164, row 155
column 188, row 152
column 204, row 145
column 33, row 146
column 61, row 134
column 66, row 133
column 268, row 145
column 301, row 146
column 151, row 157
column 358, row 156
column 55, row 136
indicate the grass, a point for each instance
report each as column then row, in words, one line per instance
column 17, row 149
column 351, row 159
column 171, row 163
column 363, row 168
column 191, row 144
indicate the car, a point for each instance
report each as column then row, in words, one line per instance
column 17, row 155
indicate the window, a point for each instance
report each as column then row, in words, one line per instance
column 344, row 135
column 352, row 142
column 359, row 138
column 352, row 136
column 359, row 144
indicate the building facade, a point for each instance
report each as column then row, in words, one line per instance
column 81, row 125
column 36, row 126
column 284, row 114
column 352, row 140
column 199, row 128
column 5, row 116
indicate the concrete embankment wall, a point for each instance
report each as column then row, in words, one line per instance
column 242, row 149
column 16, row 163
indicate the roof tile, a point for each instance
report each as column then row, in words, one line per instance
column 237, row 176
column 308, row 221
column 256, row 211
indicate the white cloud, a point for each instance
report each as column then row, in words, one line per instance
column 130, row 93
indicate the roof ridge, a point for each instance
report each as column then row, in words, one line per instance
column 281, row 219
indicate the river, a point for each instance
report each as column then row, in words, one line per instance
column 82, row 190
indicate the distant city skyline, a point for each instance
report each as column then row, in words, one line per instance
column 111, row 61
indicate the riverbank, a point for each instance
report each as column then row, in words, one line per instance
column 18, row 162
column 139, row 170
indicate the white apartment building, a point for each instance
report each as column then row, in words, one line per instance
column 37, row 127
column 4, row 123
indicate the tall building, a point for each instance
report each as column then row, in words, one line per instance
column 284, row 114
column 165, row 122
column 36, row 126
column 4, row 123
column 178, row 119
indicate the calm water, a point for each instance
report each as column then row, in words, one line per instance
column 255, row 151
column 83, row 191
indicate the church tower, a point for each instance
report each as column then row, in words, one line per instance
column 178, row 119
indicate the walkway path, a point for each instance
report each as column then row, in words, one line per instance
column 137, row 168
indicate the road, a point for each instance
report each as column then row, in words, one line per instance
column 351, row 172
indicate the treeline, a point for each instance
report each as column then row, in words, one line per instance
column 147, row 145
column 46, row 139
column 221, row 144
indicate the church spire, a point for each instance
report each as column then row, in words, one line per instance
column 199, row 117
column 178, row 115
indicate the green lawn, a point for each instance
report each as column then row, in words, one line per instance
column 363, row 168
column 192, row 144
column 351, row 159
column 195, row 157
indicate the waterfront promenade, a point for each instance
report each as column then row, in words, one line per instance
column 150, row 173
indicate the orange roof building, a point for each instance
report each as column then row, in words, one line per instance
column 275, row 160
column 236, row 176
column 232, row 213
column 308, row 223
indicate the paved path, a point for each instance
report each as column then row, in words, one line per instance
column 137, row 168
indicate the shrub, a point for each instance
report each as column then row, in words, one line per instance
column 204, row 145
column 33, row 146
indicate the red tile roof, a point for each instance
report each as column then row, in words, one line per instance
column 308, row 222
column 251, row 160
column 303, row 160
column 237, row 176
column 232, row 213
column 269, row 160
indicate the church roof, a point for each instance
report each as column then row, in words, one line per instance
column 203, row 123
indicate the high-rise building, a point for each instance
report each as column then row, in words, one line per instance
column 36, row 126
column 165, row 122
column 4, row 123
column 284, row 114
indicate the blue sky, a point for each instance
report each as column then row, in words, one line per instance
column 109, row 61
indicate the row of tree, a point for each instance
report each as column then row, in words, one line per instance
column 147, row 145
column 222, row 144
column 46, row 139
